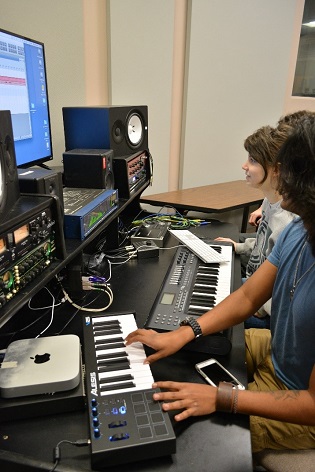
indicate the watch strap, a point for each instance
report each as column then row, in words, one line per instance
column 195, row 326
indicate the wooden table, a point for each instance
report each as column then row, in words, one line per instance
column 215, row 198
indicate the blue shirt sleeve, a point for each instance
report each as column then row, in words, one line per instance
column 275, row 255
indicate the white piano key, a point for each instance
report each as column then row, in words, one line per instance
column 134, row 354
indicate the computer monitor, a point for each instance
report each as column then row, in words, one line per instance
column 23, row 91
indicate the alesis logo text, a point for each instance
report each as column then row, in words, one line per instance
column 93, row 382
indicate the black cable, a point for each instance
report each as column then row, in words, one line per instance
column 56, row 450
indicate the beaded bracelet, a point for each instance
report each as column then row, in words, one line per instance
column 227, row 398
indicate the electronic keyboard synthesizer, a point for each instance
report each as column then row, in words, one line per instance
column 190, row 288
column 126, row 424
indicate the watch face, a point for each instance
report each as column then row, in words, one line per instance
column 135, row 129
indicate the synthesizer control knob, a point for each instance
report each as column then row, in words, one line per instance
column 96, row 422
column 94, row 411
column 94, row 402
column 97, row 433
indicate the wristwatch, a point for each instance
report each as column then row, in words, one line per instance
column 193, row 323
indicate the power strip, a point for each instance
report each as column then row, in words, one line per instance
column 146, row 249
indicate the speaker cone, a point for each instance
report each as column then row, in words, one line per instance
column 135, row 129
column 118, row 131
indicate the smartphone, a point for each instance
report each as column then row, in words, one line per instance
column 214, row 373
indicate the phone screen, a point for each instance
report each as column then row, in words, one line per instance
column 217, row 374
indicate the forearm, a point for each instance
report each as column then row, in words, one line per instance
column 245, row 247
column 291, row 406
column 242, row 303
column 233, row 310
column 223, row 316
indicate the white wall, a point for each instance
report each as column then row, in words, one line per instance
column 238, row 66
column 238, row 53
column 141, row 50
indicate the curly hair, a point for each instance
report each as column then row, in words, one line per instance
column 296, row 179
column 264, row 145
column 293, row 118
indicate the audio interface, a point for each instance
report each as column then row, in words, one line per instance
column 146, row 249
column 154, row 231
column 131, row 172
column 85, row 209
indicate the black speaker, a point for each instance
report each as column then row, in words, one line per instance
column 124, row 129
column 42, row 181
column 89, row 168
column 9, row 183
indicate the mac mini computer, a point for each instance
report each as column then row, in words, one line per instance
column 40, row 366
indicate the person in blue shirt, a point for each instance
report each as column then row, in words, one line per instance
column 280, row 398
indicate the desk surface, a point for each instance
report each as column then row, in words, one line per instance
column 210, row 198
column 218, row 442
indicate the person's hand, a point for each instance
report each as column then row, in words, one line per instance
column 255, row 217
column 164, row 344
column 194, row 399
column 227, row 240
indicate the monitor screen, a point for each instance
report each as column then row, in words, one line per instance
column 23, row 91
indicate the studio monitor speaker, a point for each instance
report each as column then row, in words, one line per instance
column 88, row 168
column 124, row 129
column 42, row 181
column 9, row 183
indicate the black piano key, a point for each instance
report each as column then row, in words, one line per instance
column 119, row 378
column 106, row 332
column 99, row 323
column 216, row 248
column 208, row 270
column 120, row 386
column 109, row 346
column 118, row 339
column 215, row 265
column 113, row 368
column 196, row 311
column 201, row 307
column 211, row 280
column 119, row 360
column 113, row 355
column 202, row 299
column 201, row 288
